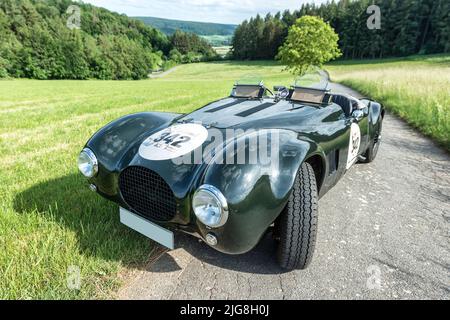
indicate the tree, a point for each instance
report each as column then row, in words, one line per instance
column 192, row 48
column 310, row 43
column 175, row 56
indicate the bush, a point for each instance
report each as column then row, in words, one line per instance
column 168, row 64
column 3, row 68
column 175, row 55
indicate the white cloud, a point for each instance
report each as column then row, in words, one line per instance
column 226, row 11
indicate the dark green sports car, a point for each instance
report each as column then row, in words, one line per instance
column 236, row 168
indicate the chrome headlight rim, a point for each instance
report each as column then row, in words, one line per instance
column 90, row 154
column 217, row 194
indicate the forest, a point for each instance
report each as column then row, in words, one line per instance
column 169, row 26
column 407, row 27
column 35, row 42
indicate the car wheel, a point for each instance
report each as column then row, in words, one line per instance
column 374, row 146
column 297, row 225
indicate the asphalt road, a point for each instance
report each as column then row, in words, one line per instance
column 384, row 233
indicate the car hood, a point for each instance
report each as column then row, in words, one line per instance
column 232, row 112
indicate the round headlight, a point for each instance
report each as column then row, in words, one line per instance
column 87, row 163
column 210, row 206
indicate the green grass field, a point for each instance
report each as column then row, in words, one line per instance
column 416, row 88
column 50, row 221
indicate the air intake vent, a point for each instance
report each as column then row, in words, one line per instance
column 147, row 194
column 259, row 108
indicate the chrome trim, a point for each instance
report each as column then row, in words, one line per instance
column 219, row 196
column 358, row 115
column 211, row 239
column 94, row 160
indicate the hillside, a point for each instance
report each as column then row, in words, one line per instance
column 35, row 42
column 200, row 28
column 43, row 40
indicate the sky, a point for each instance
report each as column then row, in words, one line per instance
column 219, row 11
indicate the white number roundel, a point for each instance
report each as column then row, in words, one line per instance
column 173, row 142
column 354, row 145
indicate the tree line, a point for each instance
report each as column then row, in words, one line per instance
column 189, row 47
column 407, row 27
column 169, row 26
column 35, row 42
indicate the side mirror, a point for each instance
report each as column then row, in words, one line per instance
column 358, row 115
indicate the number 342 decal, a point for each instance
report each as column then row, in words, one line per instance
column 173, row 142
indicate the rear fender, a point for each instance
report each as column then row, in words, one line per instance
column 375, row 116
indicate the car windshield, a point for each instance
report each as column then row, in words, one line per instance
column 311, row 87
column 249, row 80
column 315, row 79
column 249, row 86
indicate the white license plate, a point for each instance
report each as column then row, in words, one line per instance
column 147, row 228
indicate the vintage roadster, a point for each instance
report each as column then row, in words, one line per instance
column 173, row 172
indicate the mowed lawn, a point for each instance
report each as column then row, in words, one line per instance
column 415, row 88
column 50, row 223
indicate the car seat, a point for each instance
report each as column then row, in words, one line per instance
column 344, row 102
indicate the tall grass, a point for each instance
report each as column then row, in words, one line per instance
column 417, row 89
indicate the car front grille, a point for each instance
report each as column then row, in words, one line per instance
column 147, row 194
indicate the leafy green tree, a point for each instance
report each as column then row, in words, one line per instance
column 3, row 68
column 175, row 56
column 74, row 63
column 310, row 42
column 189, row 42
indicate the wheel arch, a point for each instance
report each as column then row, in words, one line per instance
column 318, row 164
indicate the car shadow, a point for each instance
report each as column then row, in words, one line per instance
column 260, row 260
column 95, row 221
column 68, row 202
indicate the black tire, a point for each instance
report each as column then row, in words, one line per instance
column 374, row 146
column 297, row 224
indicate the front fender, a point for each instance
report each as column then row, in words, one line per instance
column 256, row 193
column 116, row 144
